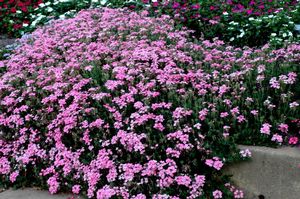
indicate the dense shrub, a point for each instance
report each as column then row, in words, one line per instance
column 114, row 103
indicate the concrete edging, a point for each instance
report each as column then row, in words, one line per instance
column 270, row 174
column 31, row 193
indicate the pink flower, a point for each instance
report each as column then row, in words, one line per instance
column 105, row 193
column 265, row 129
column 217, row 194
column 13, row 176
column 139, row 196
column 4, row 166
column 214, row 22
column 277, row 138
column 215, row 163
column 283, row 128
column 249, row 11
column 196, row 6
column 53, row 184
column 200, row 180
column 176, row 5
column 254, row 112
column 202, row 114
column 76, row 189
column 235, row 111
column 218, row 164
column 224, row 114
column 183, row 180
column 238, row 194
column 241, row 119
column 155, row 4
column 293, row 140
column 274, row 83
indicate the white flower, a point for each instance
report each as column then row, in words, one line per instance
column 103, row 2
column 273, row 34
column 33, row 24
column 242, row 33
column 62, row 16
column 42, row 5
column 245, row 153
column 49, row 9
column 294, row 104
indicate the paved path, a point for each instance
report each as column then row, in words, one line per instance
column 30, row 193
column 270, row 174
column 5, row 41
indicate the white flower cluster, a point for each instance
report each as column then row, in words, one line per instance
column 46, row 11
column 283, row 26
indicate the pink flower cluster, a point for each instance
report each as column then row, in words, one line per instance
column 115, row 103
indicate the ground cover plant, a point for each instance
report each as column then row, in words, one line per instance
column 113, row 103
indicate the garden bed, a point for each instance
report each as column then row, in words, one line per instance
column 115, row 103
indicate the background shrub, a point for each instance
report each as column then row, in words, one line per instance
column 241, row 23
column 248, row 22
column 14, row 14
